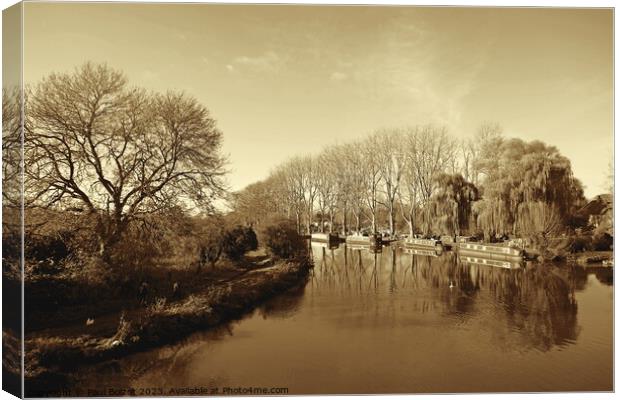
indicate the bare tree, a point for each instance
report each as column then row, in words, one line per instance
column 371, row 170
column 408, row 190
column 391, row 161
column 485, row 142
column 355, row 184
column 11, row 146
column 309, row 176
column 300, row 176
column 119, row 152
column 342, row 175
column 289, row 188
column 327, row 176
column 429, row 151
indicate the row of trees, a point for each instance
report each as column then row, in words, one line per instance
column 423, row 179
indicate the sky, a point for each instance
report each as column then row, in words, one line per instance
column 291, row 80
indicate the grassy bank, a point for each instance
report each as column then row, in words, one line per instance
column 48, row 358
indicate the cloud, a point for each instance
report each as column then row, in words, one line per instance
column 269, row 61
column 338, row 76
column 180, row 35
column 149, row 75
column 230, row 68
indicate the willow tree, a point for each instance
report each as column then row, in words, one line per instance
column 118, row 152
column 450, row 208
column 519, row 173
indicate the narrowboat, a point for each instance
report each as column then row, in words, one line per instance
column 424, row 243
column 326, row 245
column 324, row 237
column 490, row 251
column 371, row 240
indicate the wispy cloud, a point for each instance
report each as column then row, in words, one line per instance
column 430, row 81
column 149, row 75
column 180, row 35
column 268, row 61
column 338, row 76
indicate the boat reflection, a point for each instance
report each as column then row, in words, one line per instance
column 489, row 262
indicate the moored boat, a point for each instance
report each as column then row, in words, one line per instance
column 371, row 240
column 424, row 243
column 326, row 245
column 324, row 237
column 490, row 251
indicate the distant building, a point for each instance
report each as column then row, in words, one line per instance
column 599, row 211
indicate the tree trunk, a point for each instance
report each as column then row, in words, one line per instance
column 391, row 217
column 374, row 223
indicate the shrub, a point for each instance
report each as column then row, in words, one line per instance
column 580, row 243
column 283, row 241
column 602, row 242
column 237, row 241
column 41, row 247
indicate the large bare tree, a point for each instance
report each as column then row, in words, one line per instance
column 118, row 152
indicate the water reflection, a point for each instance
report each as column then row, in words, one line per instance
column 401, row 320
column 537, row 302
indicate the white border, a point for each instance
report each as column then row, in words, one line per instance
column 480, row 3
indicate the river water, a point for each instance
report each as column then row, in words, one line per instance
column 395, row 322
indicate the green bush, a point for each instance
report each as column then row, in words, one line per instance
column 237, row 241
column 283, row 241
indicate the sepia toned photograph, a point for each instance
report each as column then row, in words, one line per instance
column 294, row 199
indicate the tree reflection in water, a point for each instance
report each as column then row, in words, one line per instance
column 537, row 301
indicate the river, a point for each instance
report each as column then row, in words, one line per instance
column 395, row 322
